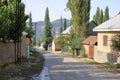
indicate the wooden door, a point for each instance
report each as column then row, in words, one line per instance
column 91, row 51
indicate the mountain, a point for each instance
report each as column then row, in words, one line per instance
column 40, row 27
column 56, row 24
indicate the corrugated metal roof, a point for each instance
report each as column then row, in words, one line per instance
column 91, row 40
column 112, row 24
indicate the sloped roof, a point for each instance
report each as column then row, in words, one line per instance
column 112, row 24
column 92, row 24
column 91, row 40
column 67, row 31
column 24, row 33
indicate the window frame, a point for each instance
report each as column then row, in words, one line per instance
column 105, row 40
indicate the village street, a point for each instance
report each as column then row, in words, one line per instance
column 65, row 68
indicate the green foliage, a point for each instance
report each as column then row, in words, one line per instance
column 65, row 25
column 39, row 41
column 8, row 20
column 29, row 29
column 47, row 30
column 61, row 29
column 116, row 42
column 53, row 31
column 96, row 16
column 80, row 10
column 62, row 40
column 106, row 14
column 99, row 17
column 75, row 43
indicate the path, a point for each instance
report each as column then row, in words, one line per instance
column 66, row 68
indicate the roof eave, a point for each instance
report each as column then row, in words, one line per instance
column 106, row 30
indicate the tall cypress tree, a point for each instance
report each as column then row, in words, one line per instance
column 47, row 30
column 99, row 17
column 96, row 16
column 65, row 25
column 54, row 31
column 29, row 29
column 106, row 14
column 61, row 29
column 100, row 20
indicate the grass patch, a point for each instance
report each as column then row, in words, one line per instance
column 108, row 65
column 28, row 68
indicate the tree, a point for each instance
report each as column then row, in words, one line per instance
column 65, row 25
column 96, row 16
column 116, row 42
column 47, row 30
column 29, row 29
column 80, row 10
column 61, row 29
column 106, row 14
column 63, row 42
column 100, row 20
column 99, row 17
column 8, row 20
column 54, row 31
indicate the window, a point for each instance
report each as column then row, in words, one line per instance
column 105, row 40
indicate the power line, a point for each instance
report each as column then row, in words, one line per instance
column 55, row 8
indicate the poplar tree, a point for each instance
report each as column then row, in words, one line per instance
column 65, row 25
column 101, row 17
column 61, row 29
column 29, row 29
column 96, row 16
column 106, row 14
column 47, row 30
column 80, row 11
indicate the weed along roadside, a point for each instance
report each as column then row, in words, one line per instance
column 26, row 70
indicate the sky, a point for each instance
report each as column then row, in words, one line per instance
column 57, row 8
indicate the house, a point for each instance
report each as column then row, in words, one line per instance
column 67, row 31
column 89, row 44
column 106, row 31
column 55, row 45
column 91, row 41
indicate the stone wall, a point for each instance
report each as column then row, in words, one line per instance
column 7, row 53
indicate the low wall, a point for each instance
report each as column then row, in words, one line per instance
column 104, row 57
column 7, row 53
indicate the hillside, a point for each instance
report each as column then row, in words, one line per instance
column 40, row 27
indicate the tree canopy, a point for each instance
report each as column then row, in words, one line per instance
column 8, row 19
column 101, row 16
column 47, row 30
column 80, row 11
column 29, row 29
